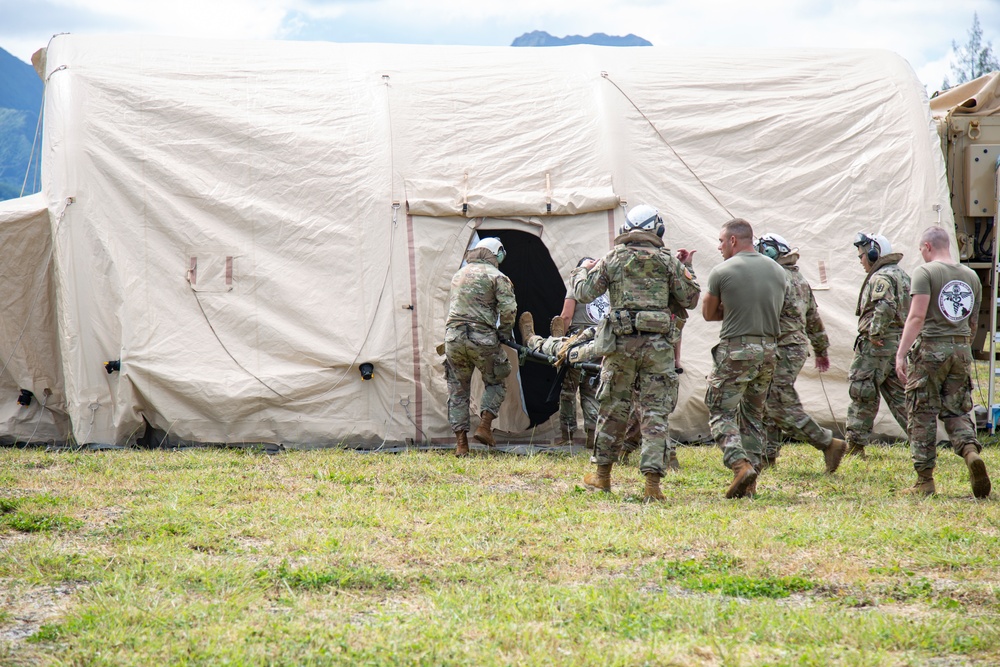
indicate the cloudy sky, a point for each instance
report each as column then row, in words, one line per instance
column 920, row 30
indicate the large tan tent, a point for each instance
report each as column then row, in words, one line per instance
column 241, row 225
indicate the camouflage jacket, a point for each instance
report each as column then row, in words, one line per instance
column 884, row 301
column 481, row 295
column 639, row 274
column 799, row 320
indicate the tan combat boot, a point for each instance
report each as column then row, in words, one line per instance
column 461, row 443
column 599, row 481
column 981, row 486
column 653, row 492
column 484, row 432
column 558, row 327
column 526, row 323
column 924, row 485
column 565, row 436
column 834, row 454
column 855, row 448
column 743, row 476
column 768, row 462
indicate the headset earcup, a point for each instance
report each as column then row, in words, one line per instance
column 661, row 230
column 872, row 255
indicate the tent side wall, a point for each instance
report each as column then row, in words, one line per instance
column 28, row 344
column 232, row 242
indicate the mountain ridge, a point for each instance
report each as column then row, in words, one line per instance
column 20, row 104
column 542, row 38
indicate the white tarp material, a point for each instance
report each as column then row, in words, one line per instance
column 28, row 343
column 231, row 221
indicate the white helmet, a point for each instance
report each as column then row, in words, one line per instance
column 494, row 246
column 772, row 245
column 643, row 218
column 876, row 245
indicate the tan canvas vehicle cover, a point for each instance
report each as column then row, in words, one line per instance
column 979, row 97
column 242, row 224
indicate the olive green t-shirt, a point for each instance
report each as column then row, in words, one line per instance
column 752, row 289
column 955, row 293
column 587, row 314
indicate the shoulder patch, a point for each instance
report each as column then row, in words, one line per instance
column 880, row 287
column 687, row 274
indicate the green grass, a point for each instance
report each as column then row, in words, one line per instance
column 330, row 557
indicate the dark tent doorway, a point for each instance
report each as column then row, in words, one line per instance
column 540, row 290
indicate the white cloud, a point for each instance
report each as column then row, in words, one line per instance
column 919, row 30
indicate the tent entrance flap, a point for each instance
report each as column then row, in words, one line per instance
column 539, row 289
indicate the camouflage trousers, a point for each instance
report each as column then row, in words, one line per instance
column 737, row 390
column 578, row 381
column 938, row 384
column 783, row 411
column 643, row 364
column 546, row 345
column 873, row 372
column 467, row 348
column 633, row 432
column 575, row 381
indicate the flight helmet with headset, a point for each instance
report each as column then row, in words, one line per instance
column 495, row 246
column 643, row 218
column 876, row 244
column 772, row 245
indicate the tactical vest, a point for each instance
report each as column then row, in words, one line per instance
column 646, row 275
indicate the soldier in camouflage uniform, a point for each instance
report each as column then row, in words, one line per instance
column 481, row 306
column 642, row 279
column 575, row 318
column 745, row 293
column 581, row 347
column 800, row 326
column 882, row 308
column 633, row 441
column 944, row 305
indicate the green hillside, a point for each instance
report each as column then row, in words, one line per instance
column 20, row 101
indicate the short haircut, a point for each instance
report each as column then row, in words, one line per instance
column 739, row 228
column 582, row 260
column 937, row 237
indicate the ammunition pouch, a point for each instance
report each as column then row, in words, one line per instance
column 624, row 323
column 652, row 321
column 621, row 322
column 604, row 339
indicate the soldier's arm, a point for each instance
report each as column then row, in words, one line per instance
column 884, row 315
column 711, row 308
column 974, row 317
column 684, row 288
column 815, row 330
column 569, row 307
column 914, row 323
column 884, row 307
column 506, row 305
column 590, row 284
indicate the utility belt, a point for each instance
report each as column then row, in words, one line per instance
column 751, row 339
column 947, row 339
column 626, row 323
column 482, row 335
column 888, row 341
